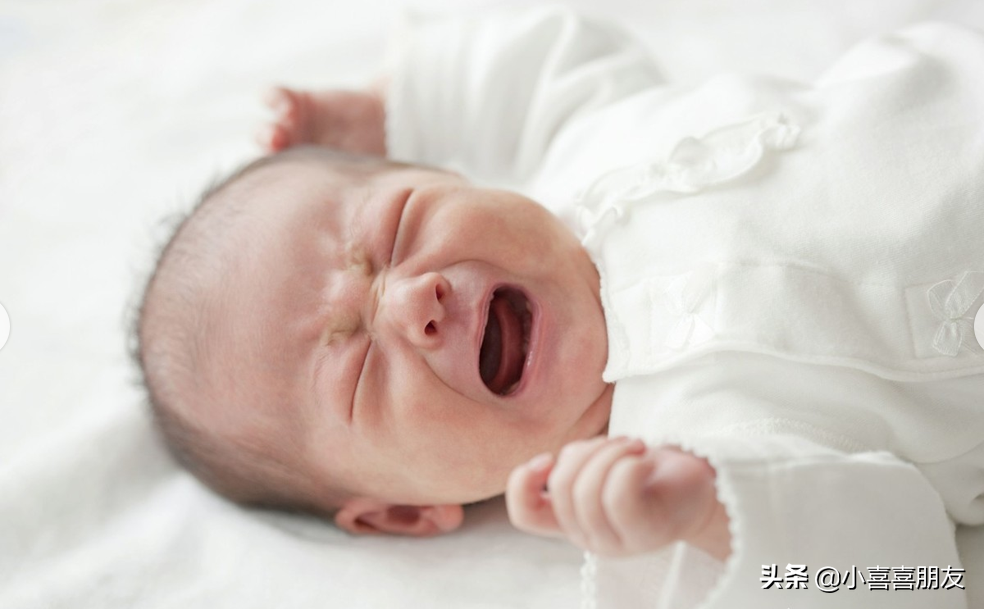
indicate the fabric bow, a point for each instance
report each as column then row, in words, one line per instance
column 682, row 299
column 950, row 302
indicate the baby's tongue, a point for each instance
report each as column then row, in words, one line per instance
column 501, row 359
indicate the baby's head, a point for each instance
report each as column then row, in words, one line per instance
column 370, row 340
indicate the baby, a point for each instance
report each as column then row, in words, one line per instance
column 385, row 342
column 769, row 293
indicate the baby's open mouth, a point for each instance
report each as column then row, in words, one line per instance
column 506, row 341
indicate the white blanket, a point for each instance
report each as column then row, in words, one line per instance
column 115, row 113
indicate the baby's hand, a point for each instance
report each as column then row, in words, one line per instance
column 353, row 121
column 616, row 497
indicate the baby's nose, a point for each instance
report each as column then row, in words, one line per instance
column 416, row 306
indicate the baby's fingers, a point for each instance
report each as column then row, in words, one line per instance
column 587, row 495
column 530, row 509
column 665, row 496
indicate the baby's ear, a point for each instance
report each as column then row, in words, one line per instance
column 364, row 516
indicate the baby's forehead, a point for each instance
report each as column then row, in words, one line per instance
column 271, row 180
column 304, row 216
column 250, row 268
column 302, row 219
column 343, row 167
column 300, row 188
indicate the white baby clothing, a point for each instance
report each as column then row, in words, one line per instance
column 789, row 272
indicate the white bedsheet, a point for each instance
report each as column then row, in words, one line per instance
column 113, row 113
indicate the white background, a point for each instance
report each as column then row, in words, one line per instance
column 114, row 113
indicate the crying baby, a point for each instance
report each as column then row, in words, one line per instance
column 713, row 309
column 384, row 343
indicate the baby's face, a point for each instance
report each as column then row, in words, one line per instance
column 403, row 333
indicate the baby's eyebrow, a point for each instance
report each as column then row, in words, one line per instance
column 339, row 325
column 344, row 325
column 357, row 260
column 337, row 332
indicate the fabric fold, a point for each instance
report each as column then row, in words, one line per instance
column 695, row 163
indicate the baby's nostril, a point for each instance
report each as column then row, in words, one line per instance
column 430, row 329
column 439, row 292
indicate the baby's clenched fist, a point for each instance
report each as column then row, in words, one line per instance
column 617, row 497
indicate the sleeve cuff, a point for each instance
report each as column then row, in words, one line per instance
column 791, row 501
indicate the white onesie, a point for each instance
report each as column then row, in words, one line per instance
column 789, row 275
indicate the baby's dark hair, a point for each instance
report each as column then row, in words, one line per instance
column 170, row 343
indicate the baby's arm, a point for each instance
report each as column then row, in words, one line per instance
column 616, row 497
column 353, row 121
column 482, row 93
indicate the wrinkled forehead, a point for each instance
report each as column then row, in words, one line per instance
column 290, row 186
column 316, row 184
column 297, row 218
column 291, row 219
